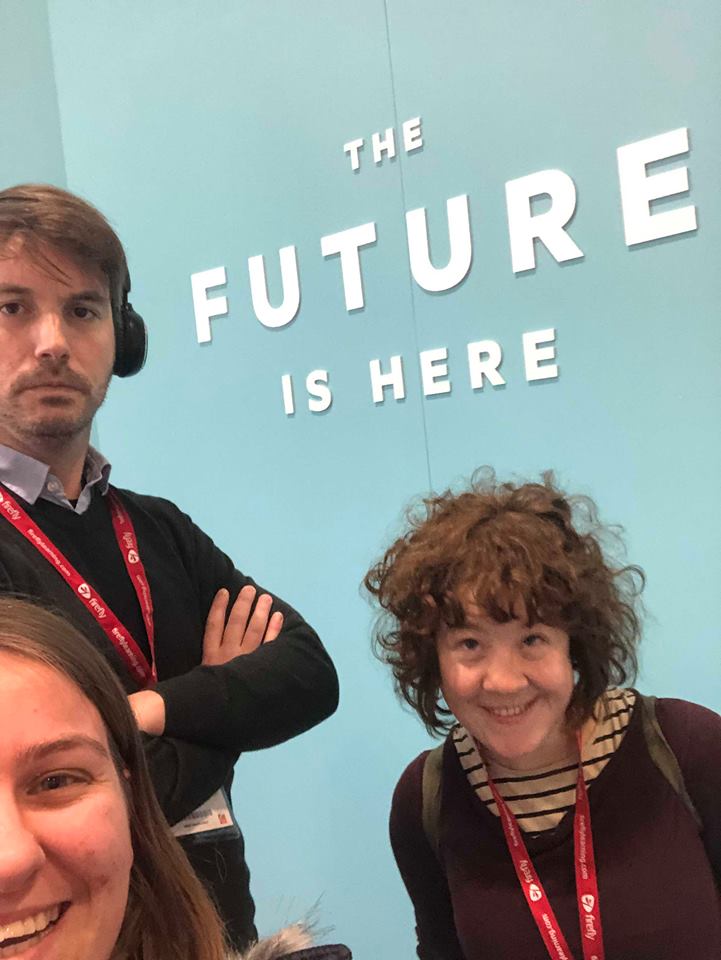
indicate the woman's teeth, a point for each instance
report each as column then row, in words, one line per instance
column 20, row 929
column 509, row 711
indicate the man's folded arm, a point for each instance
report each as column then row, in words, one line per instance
column 185, row 774
column 255, row 700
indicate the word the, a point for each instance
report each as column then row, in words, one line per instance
column 386, row 144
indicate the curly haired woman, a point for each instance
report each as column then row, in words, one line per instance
column 565, row 815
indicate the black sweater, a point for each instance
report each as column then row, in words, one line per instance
column 212, row 713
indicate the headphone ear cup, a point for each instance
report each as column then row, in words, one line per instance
column 131, row 342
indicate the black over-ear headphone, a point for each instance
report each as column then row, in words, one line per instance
column 131, row 337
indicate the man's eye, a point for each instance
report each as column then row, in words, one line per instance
column 11, row 309
column 84, row 313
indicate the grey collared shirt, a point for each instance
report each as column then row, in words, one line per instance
column 32, row 480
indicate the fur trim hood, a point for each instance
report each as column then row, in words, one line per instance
column 292, row 943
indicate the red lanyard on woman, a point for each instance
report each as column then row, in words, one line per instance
column 120, row 637
column 586, row 877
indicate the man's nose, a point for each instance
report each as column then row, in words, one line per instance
column 51, row 341
column 21, row 853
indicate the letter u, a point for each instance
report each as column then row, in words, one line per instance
column 436, row 279
column 268, row 315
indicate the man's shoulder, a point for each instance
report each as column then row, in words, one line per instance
column 150, row 504
column 155, row 516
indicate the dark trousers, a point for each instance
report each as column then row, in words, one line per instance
column 222, row 869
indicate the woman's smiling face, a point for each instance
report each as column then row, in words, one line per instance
column 509, row 684
column 65, row 846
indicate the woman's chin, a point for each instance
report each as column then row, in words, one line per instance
column 527, row 752
column 515, row 756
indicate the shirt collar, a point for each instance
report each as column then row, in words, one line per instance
column 31, row 479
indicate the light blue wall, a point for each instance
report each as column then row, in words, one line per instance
column 213, row 132
column 29, row 120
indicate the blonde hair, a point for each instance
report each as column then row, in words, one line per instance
column 169, row 914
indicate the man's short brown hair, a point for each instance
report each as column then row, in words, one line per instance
column 512, row 546
column 46, row 218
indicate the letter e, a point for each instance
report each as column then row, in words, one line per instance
column 638, row 189
column 534, row 353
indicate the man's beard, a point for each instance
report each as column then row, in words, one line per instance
column 54, row 420
column 58, row 427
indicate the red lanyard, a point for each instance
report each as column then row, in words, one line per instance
column 586, row 877
column 119, row 636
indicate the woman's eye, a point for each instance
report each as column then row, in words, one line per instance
column 533, row 640
column 469, row 643
column 55, row 781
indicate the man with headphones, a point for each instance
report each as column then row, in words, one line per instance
column 212, row 665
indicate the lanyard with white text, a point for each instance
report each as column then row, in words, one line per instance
column 118, row 635
column 586, row 877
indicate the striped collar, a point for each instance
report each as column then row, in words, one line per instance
column 540, row 798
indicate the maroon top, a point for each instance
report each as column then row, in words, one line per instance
column 659, row 879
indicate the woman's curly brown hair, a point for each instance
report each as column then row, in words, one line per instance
column 512, row 545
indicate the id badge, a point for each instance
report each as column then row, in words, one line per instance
column 213, row 820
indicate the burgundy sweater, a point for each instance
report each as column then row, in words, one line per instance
column 659, row 878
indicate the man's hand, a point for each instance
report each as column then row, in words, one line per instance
column 243, row 633
column 149, row 709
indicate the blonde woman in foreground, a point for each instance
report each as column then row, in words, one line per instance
column 88, row 867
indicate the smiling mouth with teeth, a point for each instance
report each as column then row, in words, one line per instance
column 15, row 937
column 509, row 713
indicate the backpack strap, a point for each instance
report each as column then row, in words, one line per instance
column 431, row 797
column 663, row 756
